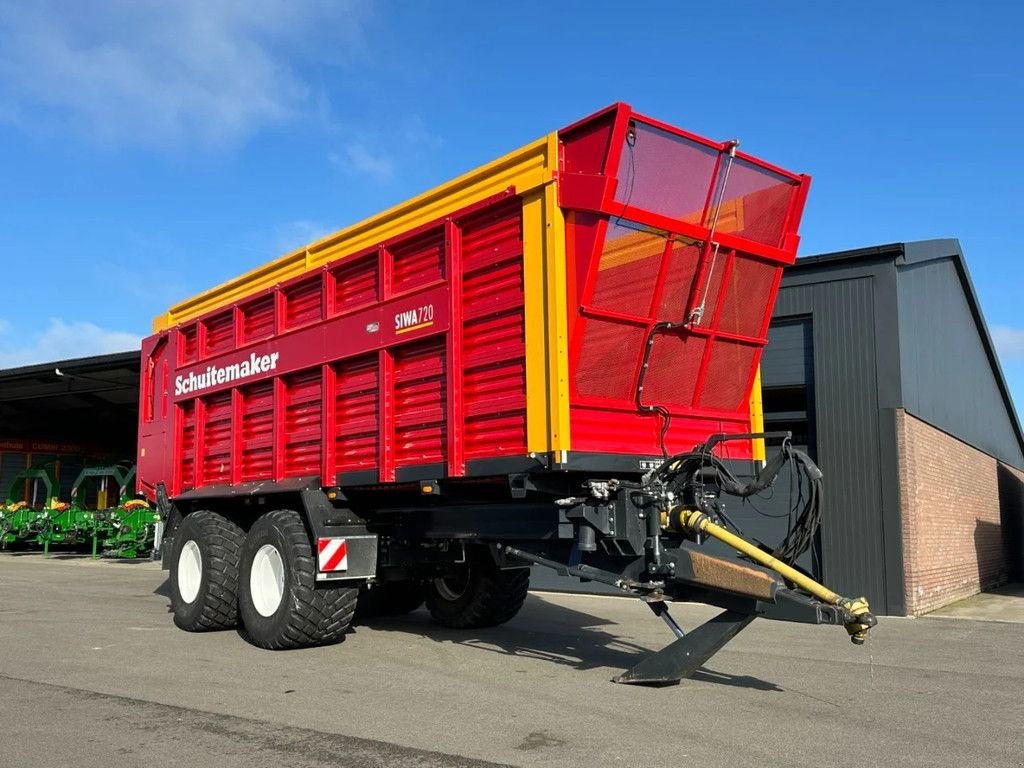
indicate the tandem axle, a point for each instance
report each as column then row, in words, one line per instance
column 465, row 549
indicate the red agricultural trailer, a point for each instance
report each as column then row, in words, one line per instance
column 548, row 361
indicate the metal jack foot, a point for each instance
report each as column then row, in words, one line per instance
column 687, row 654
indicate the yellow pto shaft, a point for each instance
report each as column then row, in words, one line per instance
column 860, row 614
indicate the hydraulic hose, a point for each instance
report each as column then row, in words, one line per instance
column 701, row 467
column 861, row 619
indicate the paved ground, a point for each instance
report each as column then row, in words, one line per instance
column 92, row 673
column 1003, row 604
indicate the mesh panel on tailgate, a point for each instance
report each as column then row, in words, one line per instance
column 756, row 202
column 725, row 384
column 628, row 269
column 608, row 358
column 746, row 297
column 666, row 174
column 673, row 368
column 644, row 276
column 682, row 271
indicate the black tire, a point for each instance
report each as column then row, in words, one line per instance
column 307, row 615
column 218, row 542
column 478, row 595
column 389, row 598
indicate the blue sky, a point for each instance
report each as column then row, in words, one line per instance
column 150, row 150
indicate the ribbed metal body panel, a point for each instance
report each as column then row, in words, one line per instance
column 853, row 530
column 947, row 377
column 410, row 357
column 789, row 359
column 787, row 366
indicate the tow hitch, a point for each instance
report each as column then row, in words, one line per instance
column 676, row 509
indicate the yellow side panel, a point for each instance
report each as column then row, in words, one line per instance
column 538, row 421
column 527, row 169
column 757, row 417
column 547, row 350
column 558, row 322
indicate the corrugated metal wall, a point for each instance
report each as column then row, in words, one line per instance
column 947, row 378
column 789, row 368
column 789, row 357
column 843, row 319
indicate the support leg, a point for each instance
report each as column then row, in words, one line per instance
column 661, row 611
column 687, row 654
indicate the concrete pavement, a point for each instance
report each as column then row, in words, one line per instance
column 1002, row 604
column 92, row 672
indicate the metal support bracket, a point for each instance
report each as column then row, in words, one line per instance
column 687, row 654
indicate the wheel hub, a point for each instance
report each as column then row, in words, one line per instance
column 451, row 588
column 266, row 580
column 190, row 571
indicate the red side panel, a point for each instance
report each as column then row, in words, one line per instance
column 257, row 431
column 407, row 360
column 356, row 282
column 220, row 333
column 417, row 262
column 302, row 423
column 156, row 433
column 186, row 446
column 586, row 145
column 419, row 412
column 257, row 319
column 303, row 303
column 188, row 345
column 493, row 341
column 357, row 414
column 216, row 447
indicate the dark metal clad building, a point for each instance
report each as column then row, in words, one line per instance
column 880, row 357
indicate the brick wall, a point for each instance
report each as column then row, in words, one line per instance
column 950, row 495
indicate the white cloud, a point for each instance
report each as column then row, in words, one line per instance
column 1009, row 342
column 295, row 234
column 60, row 340
column 356, row 157
column 375, row 154
column 166, row 73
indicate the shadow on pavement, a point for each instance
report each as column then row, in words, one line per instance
column 72, row 555
column 55, row 555
column 575, row 639
column 164, row 590
column 566, row 637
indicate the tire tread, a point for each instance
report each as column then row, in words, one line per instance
column 498, row 596
column 224, row 540
column 317, row 616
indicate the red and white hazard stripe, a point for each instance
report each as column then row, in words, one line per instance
column 332, row 555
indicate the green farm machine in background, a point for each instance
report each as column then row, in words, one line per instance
column 101, row 515
column 24, row 514
column 125, row 528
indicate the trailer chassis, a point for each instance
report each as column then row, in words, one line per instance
column 639, row 533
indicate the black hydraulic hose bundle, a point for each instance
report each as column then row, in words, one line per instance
column 700, row 467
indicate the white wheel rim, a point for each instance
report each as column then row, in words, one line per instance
column 190, row 571
column 266, row 580
column 453, row 587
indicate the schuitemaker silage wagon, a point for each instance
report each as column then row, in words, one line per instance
column 545, row 361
